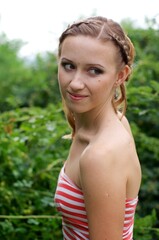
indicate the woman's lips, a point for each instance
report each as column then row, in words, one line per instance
column 75, row 96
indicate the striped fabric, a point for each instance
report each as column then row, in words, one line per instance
column 70, row 203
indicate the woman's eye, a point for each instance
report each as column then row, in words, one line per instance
column 95, row 71
column 67, row 66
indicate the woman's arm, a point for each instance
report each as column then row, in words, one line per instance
column 103, row 180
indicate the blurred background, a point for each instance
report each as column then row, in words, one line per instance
column 32, row 122
column 39, row 22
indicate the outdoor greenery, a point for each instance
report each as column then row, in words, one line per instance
column 32, row 149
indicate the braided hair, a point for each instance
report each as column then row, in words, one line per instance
column 103, row 29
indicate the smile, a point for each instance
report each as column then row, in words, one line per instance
column 77, row 97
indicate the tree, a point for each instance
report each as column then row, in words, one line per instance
column 22, row 84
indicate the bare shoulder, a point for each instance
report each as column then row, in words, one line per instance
column 103, row 179
column 110, row 146
column 109, row 156
column 125, row 122
column 108, row 175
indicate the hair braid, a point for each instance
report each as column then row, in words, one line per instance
column 105, row 30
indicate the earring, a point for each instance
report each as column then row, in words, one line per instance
column 115, row 94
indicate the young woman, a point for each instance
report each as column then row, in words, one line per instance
column 98, row 186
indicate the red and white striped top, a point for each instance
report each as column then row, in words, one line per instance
column 69, row 200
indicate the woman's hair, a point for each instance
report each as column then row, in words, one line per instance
column 105, row 30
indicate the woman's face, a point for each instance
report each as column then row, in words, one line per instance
column 87, row 73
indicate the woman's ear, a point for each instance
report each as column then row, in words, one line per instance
column 122, row 75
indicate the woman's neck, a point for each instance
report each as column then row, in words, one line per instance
column 91, row 122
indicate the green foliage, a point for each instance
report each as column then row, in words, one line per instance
column 43, row 88
column 11, row 69
column 49, row 229
column 143, row 102
column 143, row 228
column 29, row 168
column 24, row 84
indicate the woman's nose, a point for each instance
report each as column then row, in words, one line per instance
column 77, row 82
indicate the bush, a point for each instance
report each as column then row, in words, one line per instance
column 32, row 152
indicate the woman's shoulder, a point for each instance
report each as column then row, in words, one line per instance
column 107, row 151
column 125, row 122
column 110, row 153
column 111, row 148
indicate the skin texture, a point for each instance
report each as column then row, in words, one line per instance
column 102, row 160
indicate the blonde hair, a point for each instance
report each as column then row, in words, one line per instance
column 105, row 30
